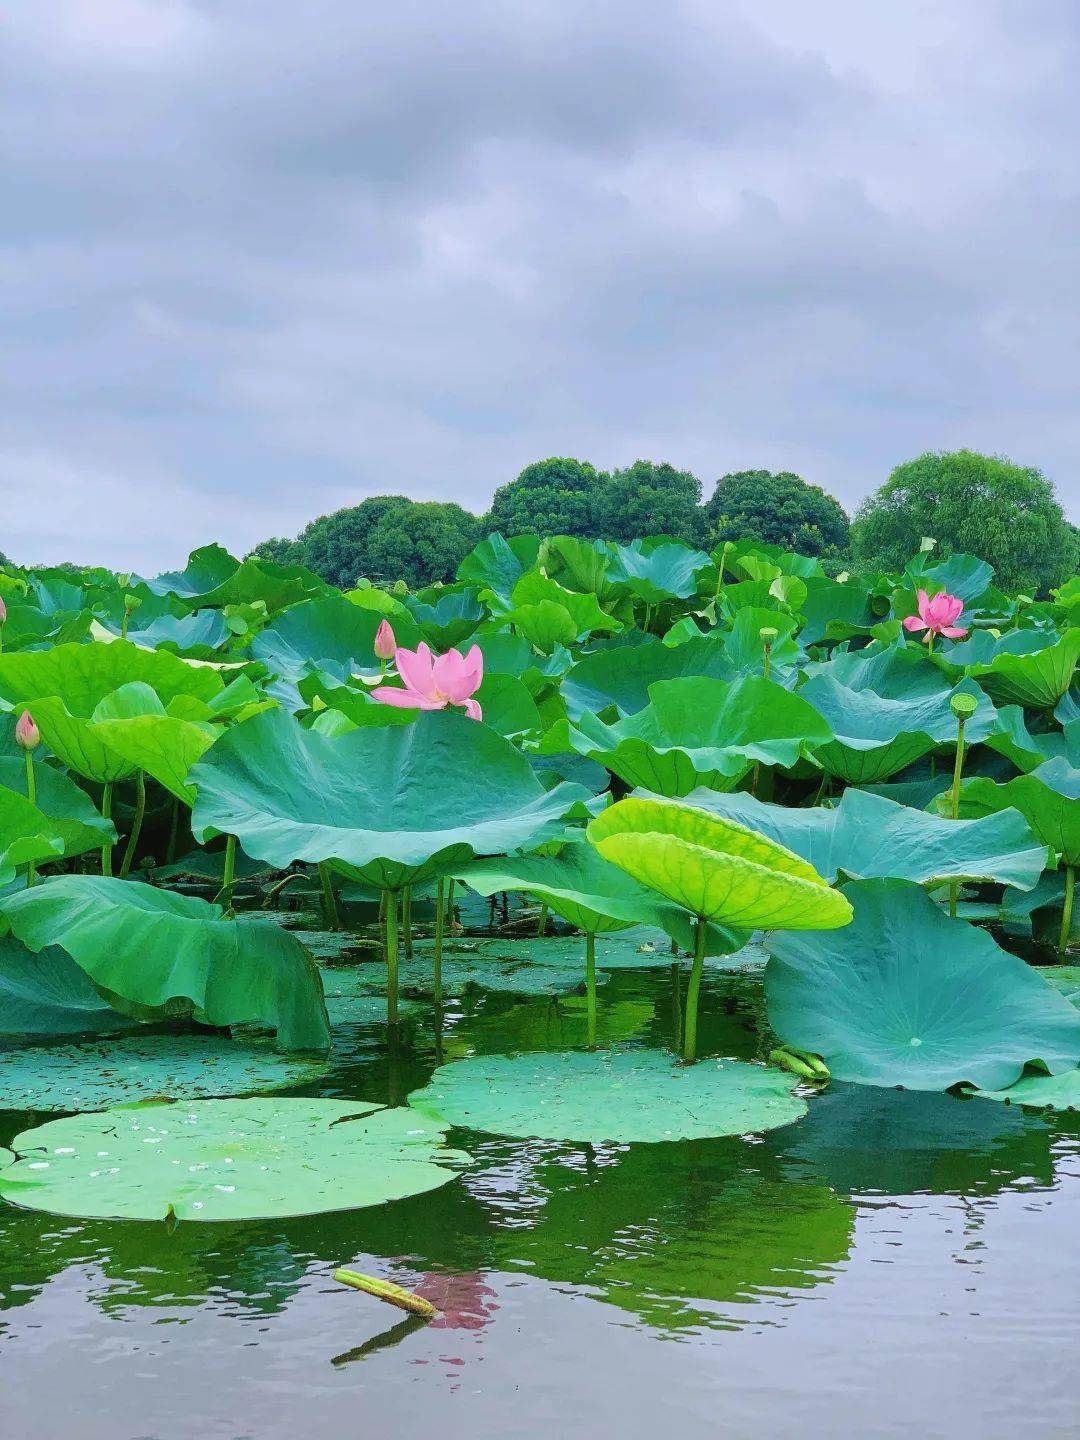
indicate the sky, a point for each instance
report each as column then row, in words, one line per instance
column 261, row 259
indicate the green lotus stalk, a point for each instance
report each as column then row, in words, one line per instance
column 136, row 824
column 963, row 707
column 768, row 634
column 131, row 604
column 224, row 895
column 392, row 957
column 406, row 920
column 728, row 545
column 693, row 992
column 106, row 811
column 1066, row 914
column 174, row 827
column 440, row 925
column 541, row 924
column 389, row 1292
column 331, row 918
column 590, row 985
column 676, row 1006
column 28, row 738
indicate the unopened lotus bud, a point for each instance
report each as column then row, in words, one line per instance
column 964, row 706
column 26, row 732
column 385, row 641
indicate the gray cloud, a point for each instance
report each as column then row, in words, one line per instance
column 260, row 260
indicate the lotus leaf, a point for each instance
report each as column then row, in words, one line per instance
column 1042, row 1092
column 622, row 1096
column 1048, row 799
column 655, row 573
column 47, row 994
column 70, row 812
column 906, row 996
column 621, row 677
column 1025, row 667
column 228, row 1160
column 869, row 837
column 329, row 634
column 27, row 837
column 154, row 954
column 389, row 806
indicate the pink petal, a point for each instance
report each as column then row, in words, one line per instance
column 405, row 699
column 923, row 602
column 458, row 676
column 416, row 669
column 953, row 632
column 473, row 711
column 953, row 608
column 912, row 622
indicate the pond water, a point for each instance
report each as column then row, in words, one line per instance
column 893, row 1264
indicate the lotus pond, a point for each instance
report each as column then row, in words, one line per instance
column 661, row 964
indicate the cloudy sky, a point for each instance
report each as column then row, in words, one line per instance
column 260, row 259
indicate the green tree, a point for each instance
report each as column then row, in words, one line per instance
column 389, row 537
column 777, row 509
column 278, row 551
column 652, row 499
column 552, row 497
column 975, row 504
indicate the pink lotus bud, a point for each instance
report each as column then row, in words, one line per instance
column 3, row 610
column 385, row 642
column 26, row 732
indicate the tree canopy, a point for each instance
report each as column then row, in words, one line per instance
column 647, row 498
column 552, row 497
column 1007, row 515
column 777, row 509
column 387, row 537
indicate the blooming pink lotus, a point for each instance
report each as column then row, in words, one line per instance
column 432, row 682
column 26, row 732
column 936, row 616
column 385, row 641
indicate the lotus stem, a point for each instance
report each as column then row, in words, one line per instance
column 963, row 707
column 676, row 1004
column 440, row 925
column 541, row 924
column 392, row 958
column 406, row 920
column 1066, row 914
column 693, row 991
column 450, row 903
column 386, row 1290
column 224, row 895
column 331, row 919
column 31, row 795
column 136, row 824
column 590, row 985
column 174, row 826
column 106, row 812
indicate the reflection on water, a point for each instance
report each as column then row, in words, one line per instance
column 697, row 1242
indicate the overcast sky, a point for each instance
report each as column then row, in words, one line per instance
column 260, row 258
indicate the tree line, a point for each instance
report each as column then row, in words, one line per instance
column 981, row 505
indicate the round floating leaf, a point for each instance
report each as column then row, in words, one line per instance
column 620, row 1096
column 869, row 837
column 156, row 954
column 151, row 1066
column 906, row 996
column 1042, row 1092
column 391, row 806
column 703, row 732
column 228, row 1160
column 715, row 868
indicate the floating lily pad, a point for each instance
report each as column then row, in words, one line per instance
column 228, row 1160
column 620, row 1096
column 1043, row 1092
column 93, row 1074
column 1066, row 981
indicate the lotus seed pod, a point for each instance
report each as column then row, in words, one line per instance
column 964, row 706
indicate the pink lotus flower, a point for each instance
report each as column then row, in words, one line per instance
column 385, row 641
column 432, row 682
column 936, row 616
column 26, row 732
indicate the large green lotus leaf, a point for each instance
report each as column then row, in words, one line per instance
column 26, row 835
column 965, row 576
column 330, row 634
column 1025, row 667
column 27, row 628
column 589, row 892
column 835, row 611
column 895, row 671
column 1068, row 707
column 70, row 812
column 535, row 590
column 1048, row 799
column 621, row 677
column 578, row 564
column 621, row 1096
column 63, row 687
column 497, row 564
column 132, row 1069
column 707, row 732
column 48, row 994
column 657, row 573
column 261, row 582
column 906, row 996
column 1026, row 750
column 673, row 1234
column 1066, row 981
column 716, row 868
column 446, row 614
column 154, row 954
column 206, row 569
column 392, row 806
column 868, row 837
column 745, row 648
column 228, row 1160
column 1041, row 1092
column 162, row 745
column 876, row 736
column 197, row 636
